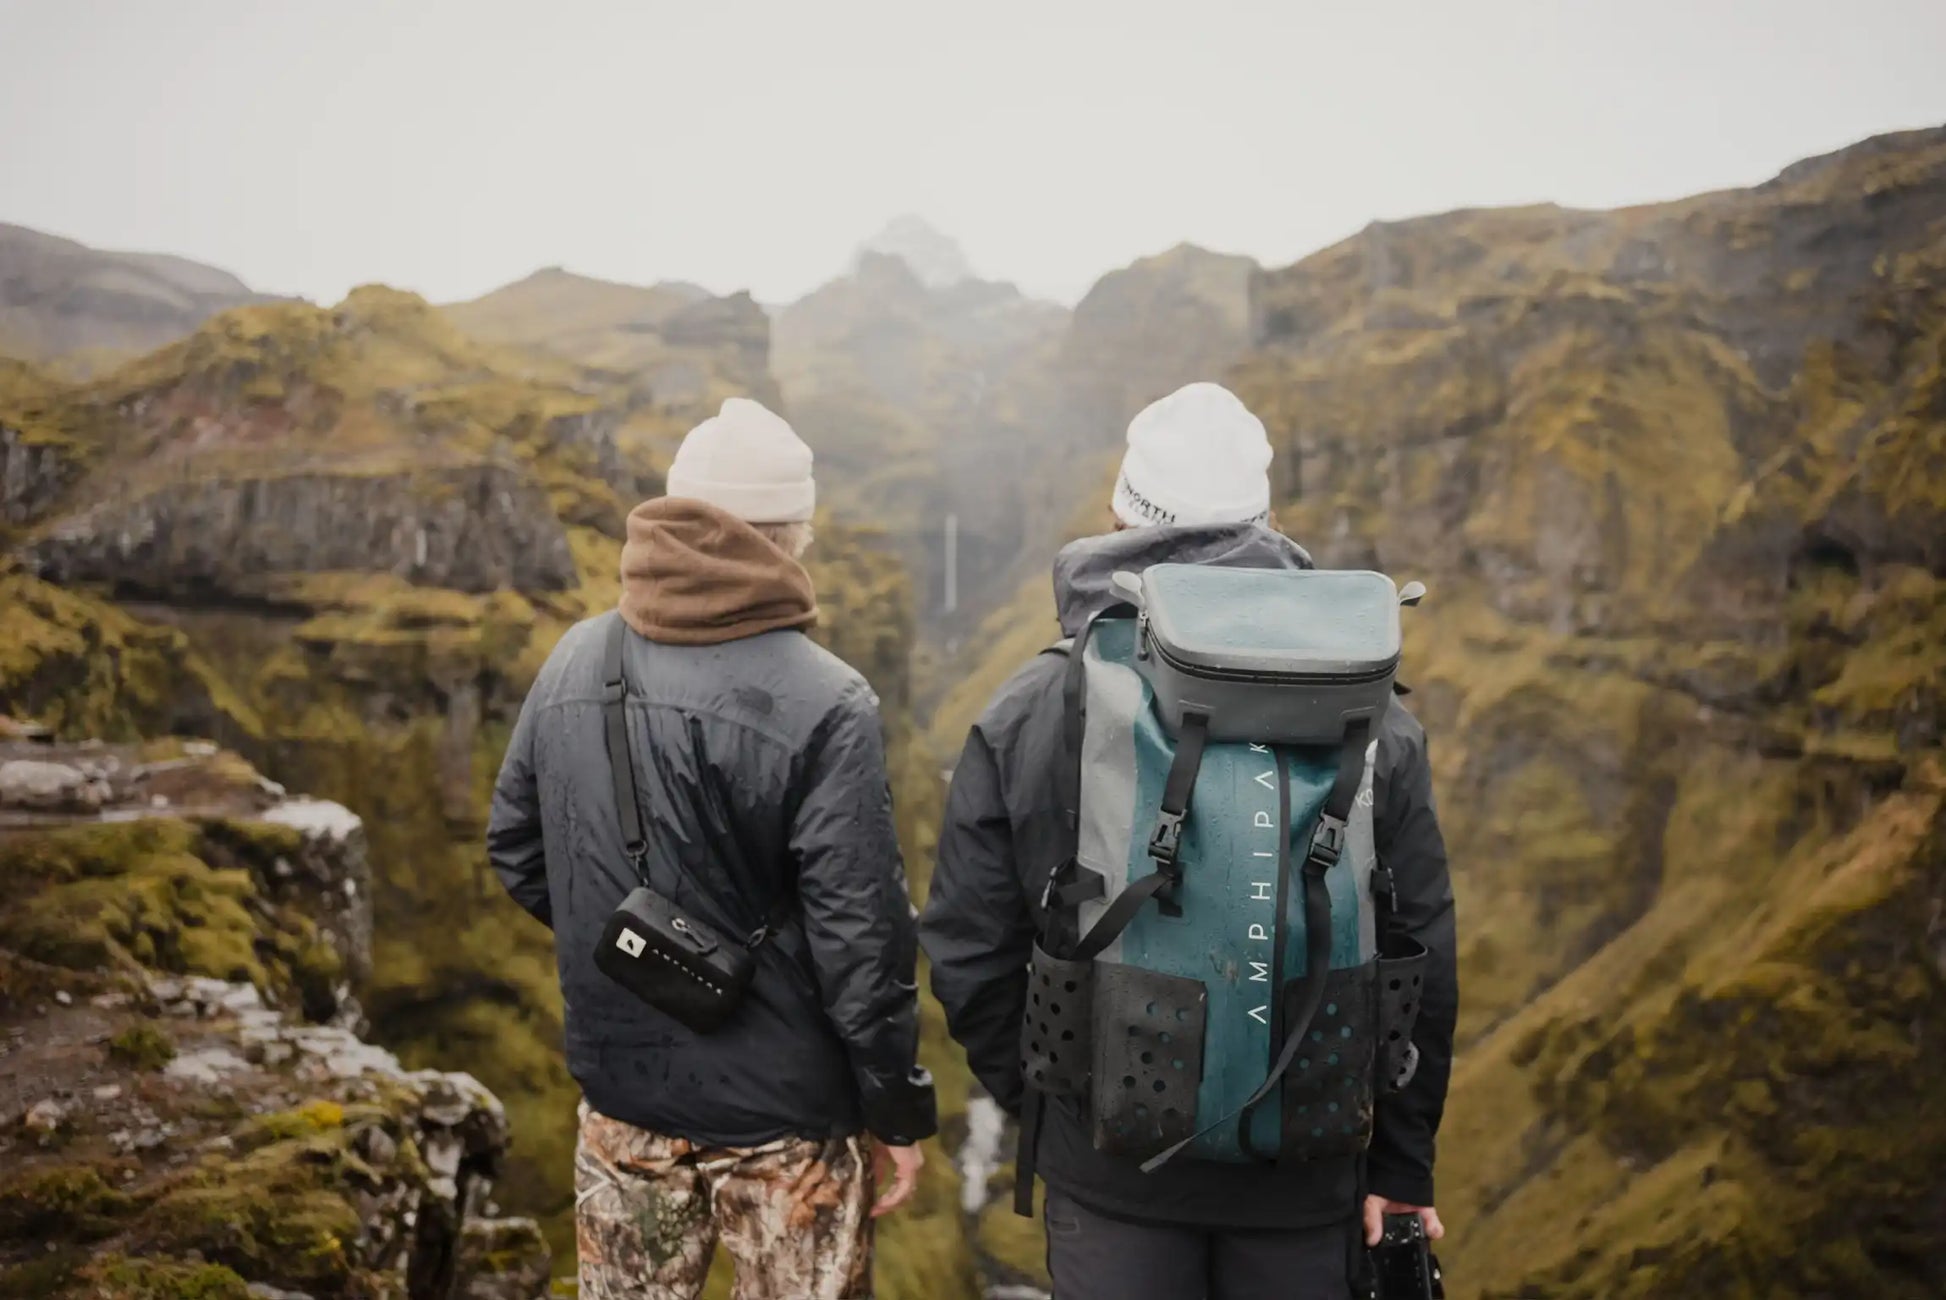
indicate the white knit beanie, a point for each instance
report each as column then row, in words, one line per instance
column 745, row 459
column 1196, row 456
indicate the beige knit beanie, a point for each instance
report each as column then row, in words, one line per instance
column 746, row 460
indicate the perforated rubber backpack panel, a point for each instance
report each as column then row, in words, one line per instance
column 1401, row 986
column 1148, row 1059
column 1327, row 1102
column 1056, row 1036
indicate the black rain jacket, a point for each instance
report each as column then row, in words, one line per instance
column 1006, row 829
column 761, row 772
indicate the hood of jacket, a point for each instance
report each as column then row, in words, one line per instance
column 694, row 574
column 1084, row 569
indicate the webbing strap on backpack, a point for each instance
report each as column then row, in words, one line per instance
column 1033, row 1105
column 1327, row 842
column 1164, row 844
column 1165, row 839
column 1073, row 892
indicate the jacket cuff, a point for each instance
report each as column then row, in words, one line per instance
column 900, row 1112
column 1402, row 1183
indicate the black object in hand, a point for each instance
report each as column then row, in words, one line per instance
column 1403, row 1265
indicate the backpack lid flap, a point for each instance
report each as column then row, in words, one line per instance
column 1273, row 622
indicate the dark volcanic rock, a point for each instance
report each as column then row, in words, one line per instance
column 32, row 474
column 471, row 528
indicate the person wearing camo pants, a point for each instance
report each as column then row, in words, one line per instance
column 764, row 811
column 795, row 1215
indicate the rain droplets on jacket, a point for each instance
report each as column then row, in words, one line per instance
column 761, row 773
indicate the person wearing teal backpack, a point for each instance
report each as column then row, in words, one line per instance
column 1191, row 917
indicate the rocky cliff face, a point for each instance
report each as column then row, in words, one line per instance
column 1149, row 328
column 472, row 529
column 186, row 1108
column 932, row 255
column 85, row 309
column 1675, row 477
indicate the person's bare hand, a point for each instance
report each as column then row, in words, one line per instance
column 904, row 1164
column 1377, row 1207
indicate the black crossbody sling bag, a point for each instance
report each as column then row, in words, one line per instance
column 665, row 956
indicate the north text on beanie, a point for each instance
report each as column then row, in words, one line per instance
column 1197, row 456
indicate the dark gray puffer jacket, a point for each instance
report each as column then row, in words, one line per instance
column 761, row 774
column 1006, row 828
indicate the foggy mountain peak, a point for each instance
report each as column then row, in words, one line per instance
column 934, row 257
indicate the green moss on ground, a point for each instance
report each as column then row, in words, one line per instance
column 142, row 1046
column 69, row 1202
column 313, row 1119
column 87, row 669
column 136, row 896
column 284, row 1205
column 118, row 1278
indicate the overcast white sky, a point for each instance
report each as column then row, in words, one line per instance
column 449, row 147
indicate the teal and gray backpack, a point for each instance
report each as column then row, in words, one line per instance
column 1216, row 977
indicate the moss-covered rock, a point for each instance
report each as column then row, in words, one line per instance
column 143, row 1046
column 142, row 900
column 65, row 1201
column 506, row 1259
column 180, row 1136
column 86, row 668
column 120, row 1278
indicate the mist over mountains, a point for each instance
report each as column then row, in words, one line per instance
column 1675, row 475
column 87, row 310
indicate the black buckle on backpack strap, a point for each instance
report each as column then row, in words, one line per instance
column 611, row 692
column 1327, row 843
column 1070, row 885
column 1165, row 841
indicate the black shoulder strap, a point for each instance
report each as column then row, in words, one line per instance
column 1327, row 842
column 1027, row 1150
column 621, row 771
column 621, row 759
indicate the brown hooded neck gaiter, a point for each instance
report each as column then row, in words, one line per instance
column 693, row 574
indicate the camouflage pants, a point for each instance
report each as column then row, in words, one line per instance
column 794, row 1214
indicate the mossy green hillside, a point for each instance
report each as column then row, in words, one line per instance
column 1681, row 668
column 88, row 669
column 283, row 1203
column 143, row 896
